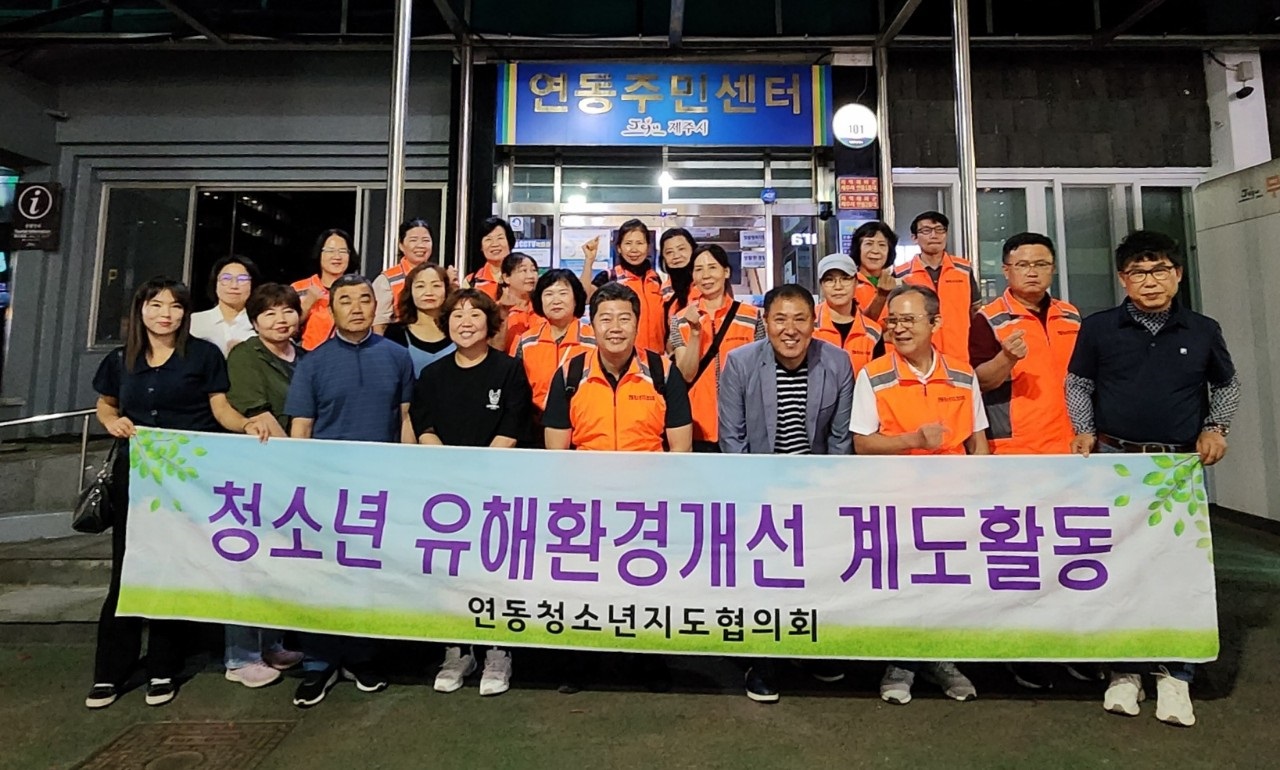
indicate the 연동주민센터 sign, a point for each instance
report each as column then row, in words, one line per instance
column 621, row 104
column 954, row 558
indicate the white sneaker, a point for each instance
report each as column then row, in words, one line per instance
column 955, row 684
column 455, row 668
column 253, row 675
column 496, row 678
column 1124, row 694
column 895, row 685
column 1173, row 700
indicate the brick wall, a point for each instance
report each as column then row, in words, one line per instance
column 1039, row 108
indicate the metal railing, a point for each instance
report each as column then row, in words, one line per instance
column 84, row 414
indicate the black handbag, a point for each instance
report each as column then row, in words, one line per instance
column 93, row 514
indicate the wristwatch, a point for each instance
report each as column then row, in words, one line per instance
column 1216, row 428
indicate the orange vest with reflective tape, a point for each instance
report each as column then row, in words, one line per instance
column 395, row 276
column 319, row 325
column 955, row 295
column 861, row 342
column 652, row 322
column 864, row 292
column 704, row 393
column 1035, row 419
column 904, row 403
column 542, row 355
column 487, row 279
column 632, row 418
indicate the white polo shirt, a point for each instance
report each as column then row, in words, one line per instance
column 210, row 325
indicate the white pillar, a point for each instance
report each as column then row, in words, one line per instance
column 1237, row 125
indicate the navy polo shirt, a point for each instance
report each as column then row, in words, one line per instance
column 1151, row 388
column 173, row 395
column 352, row 391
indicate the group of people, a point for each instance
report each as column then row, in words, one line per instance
column 893, row 359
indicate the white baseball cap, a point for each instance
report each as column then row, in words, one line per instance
column 841, row 262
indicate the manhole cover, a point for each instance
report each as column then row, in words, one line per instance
column 190, row 746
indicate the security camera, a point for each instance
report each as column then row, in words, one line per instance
column 58, row 115
column 1243, row 92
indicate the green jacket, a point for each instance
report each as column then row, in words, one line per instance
column 259, row 379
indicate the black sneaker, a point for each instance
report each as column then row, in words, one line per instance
column 1032, row 676
column 314, row 686
column 161, row 691
column 760, row 686
column 100, row 696
column 1085, row 672
column 824, row 670
column 366, row 679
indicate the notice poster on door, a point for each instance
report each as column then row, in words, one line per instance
column 573, row 239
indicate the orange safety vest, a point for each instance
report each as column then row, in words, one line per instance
column 704, row 392
column 955, row 295
column 632, row 418
column 542, row 354
column 319, row 324
column 486, row 279
column 904, row 403
column 519, row 321
column 652, row 321
column 861, row 342
column 1034, row 420
column 395, row 276
column 864, row 292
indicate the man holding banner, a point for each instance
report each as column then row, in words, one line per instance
column 357, row 386
column 916, row 400
column 787, row 394
column 1151, row 376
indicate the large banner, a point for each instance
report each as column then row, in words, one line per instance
column 641, row 103
column 1000, row 558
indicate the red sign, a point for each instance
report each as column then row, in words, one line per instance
column 857, row 184
column 859, row 201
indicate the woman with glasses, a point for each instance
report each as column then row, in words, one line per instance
column 334, row 253
column 226, row 324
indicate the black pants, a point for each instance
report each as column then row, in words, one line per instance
column 706, row 447
column 120, row 639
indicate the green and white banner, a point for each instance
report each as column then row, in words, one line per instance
column 1107, row 558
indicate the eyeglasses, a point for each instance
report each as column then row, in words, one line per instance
column 1160, row 273
column 838, row 279
column 1026, row 267
column 337, row 251
column 905, row 320
column 227, row 279
column 939, row 230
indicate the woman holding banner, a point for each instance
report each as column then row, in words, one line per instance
column 476, row 397
column 161, row 378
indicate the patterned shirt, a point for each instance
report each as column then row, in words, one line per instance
column 791, row 436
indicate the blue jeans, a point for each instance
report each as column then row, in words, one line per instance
column 326, row 650
column 1184, row 671
column 245, row 644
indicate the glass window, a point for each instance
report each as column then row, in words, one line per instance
column 533, row 184
column 1051, row 230
column 1088, row 251
column 609, row 184
column 1166, row 210
column 1002, row 213
column 145, row 236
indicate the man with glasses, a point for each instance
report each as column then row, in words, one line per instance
column 918, row 400
column 1151, row 375
column 951, row 277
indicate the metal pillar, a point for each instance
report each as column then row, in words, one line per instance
column 882, row 131
column 395, row 143
column 966, row 160
column 462, row 210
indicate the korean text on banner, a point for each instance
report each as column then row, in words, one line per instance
column 996, row 558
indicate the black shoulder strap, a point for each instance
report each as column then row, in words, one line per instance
column 657, row 372
column 573, row 378
column 714, row 350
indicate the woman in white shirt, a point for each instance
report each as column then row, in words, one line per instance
column 226, row 324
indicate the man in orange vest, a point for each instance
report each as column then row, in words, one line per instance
column 918, row 400
column 951, row 277
column 839, row 320
column 1019, row 346
column 619, row 398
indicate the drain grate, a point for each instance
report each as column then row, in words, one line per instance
column 190, row 746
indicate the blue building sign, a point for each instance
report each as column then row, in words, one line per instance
column 639, row 103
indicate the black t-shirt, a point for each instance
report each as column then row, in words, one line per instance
column 469, row 407
column 844, row 328
column 173, row 395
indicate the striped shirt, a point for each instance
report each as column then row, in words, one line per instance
column 791, row 437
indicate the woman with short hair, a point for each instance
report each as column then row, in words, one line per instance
column 334, row 253
column 226, row 325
